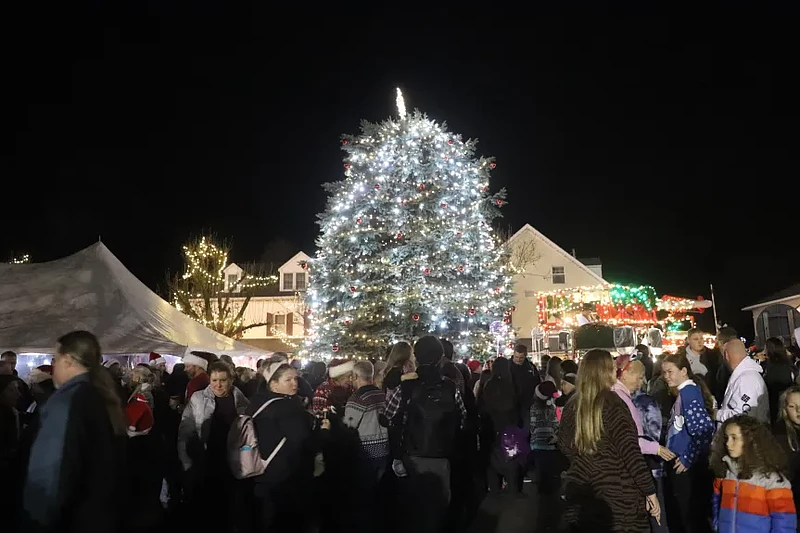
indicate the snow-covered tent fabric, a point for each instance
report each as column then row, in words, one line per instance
column 92, row 290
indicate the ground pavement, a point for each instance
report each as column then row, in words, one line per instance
column 507, row 514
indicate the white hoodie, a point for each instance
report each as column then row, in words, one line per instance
column 746, row 393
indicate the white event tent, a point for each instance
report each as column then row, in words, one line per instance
column 92, row 290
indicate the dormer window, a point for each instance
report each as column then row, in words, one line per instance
column 288, row 281
column 300, row 281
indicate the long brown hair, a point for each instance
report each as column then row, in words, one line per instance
column 84, row 348
column 401, row 353
column 595, row 376
column 679, row 360
column 760, row 452
column 791, row 429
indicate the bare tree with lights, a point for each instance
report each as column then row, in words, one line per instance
column 407, row 247
column 200, row 291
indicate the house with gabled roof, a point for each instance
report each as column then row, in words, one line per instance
column 777, row 315
column 280, row 306
column 547, row 267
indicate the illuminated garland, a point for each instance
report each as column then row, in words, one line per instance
column 200, row 293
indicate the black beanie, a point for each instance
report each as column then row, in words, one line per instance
column 428, row 350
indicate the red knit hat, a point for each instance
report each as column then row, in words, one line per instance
column 138, row 416
column 156, row 359
column 474, row 365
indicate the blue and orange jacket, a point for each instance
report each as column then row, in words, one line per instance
column 760, row 504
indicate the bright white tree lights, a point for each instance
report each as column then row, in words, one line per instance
column 407, row 248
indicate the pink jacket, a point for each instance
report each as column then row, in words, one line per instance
column 648, row 447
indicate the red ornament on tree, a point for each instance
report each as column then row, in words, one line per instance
column 499, row 202
column 493, row 165
column 513, row 308
column 472, row 311
column 358, row 220
column 486, row 189
column 507, row 320
column 426, row 271
column 458, row 234
column 497, row 290
column 346, row 166
column 345, row 142
column 398, row 236
column 460, row 268
column 421, row 186
column 335, row 347
column 443, row 205
column 450, row 142
column 446, row 158
column 415, row 317
column 346, row 322
column 352, row 288
column 377, row 186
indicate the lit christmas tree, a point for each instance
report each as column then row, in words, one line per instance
column 407, row 248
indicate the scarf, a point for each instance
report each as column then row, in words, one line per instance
column 698, row 368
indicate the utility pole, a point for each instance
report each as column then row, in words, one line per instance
column 714, row 307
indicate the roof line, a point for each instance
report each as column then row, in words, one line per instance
column 558, row 249
column 770, row 302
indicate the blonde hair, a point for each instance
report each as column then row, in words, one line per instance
column 595, row 376
column 791, row 430
column 637, row 367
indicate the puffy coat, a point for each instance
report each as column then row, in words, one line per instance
column 196, row 421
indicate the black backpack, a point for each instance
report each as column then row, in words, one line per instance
column 432, row 419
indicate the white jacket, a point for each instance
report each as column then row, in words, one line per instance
column 746, row 393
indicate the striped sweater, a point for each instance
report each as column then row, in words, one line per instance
column 362, row 413
column 760, row 504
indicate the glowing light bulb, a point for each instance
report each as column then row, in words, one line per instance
column 401, row 104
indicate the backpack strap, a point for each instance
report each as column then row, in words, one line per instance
column 264, row 406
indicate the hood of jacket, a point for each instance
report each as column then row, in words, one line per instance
column 747, row 365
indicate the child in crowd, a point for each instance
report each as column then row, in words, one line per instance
column 546, row 456
column 787, row 432
column 751, row 492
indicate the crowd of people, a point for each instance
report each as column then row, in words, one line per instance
column 703, row 439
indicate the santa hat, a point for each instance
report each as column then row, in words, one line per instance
column 156, row 359
column 108, row 363
column 40, row 374
column 138, row 416
column 339, row 368
column 474, row 365
column 195, row 360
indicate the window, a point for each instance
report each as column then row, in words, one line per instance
column 287, row 282
column 300, row 281
column 232, row 280
column 280, row 320
column 558, row 275
column 279, row 323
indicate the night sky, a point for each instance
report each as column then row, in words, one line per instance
column 668, row 147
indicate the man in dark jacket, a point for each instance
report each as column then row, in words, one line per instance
column 72, row 481
column 525, row 377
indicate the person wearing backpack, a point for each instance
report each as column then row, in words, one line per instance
column 431, row 412
column 282, row 489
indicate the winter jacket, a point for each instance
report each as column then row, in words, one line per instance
column 195, row 424
column 746, row 393
column 760, row 504
column 690, row 427
column 647, row 447
column 292, row 470
column 652, row 425
column 526, row 378
column 777, row 377
column 362, row 413
column 76, row 464
column 544, row 426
